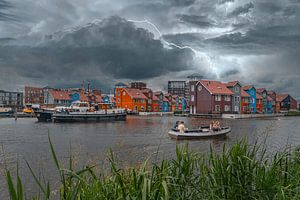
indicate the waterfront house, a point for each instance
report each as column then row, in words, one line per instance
column 259, row 105
column 270, row 103
column 245, row 108
column 107, row 102
column 165, row 104
column 251, row 90
column 119, row 85
column 132, row 99
column 175, row 103
column 209, row 97
column 263, row 92
column 12, row 100
column 273, row 95
column 155, row 104
column 59, row 98
column 149, row 94
column 33, row 95
column 277, row 103
column 160, row 97
column 287, row 103
column 235, row 87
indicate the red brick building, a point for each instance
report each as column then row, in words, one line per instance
column 33, row 95
column 209, row 97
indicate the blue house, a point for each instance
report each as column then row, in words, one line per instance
column 183, row 103
column 251, row 90
column 166, row 106
column 270, row 105
column 75, row 96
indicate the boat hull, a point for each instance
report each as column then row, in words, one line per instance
column 199, row 135
column 44, row 116
column 88, row 117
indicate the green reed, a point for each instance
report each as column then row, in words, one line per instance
column 238, row 172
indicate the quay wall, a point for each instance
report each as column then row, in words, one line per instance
column 246, row 116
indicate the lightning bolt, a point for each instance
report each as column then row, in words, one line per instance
column 198, row 54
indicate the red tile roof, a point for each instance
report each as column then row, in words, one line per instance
column 135, row 93
column 216, row 87
column 258, row 96
column 245, row 94
column 247, row 87
column 60, row 95
column 155, row 98
column 232, row 83
column 260, row 90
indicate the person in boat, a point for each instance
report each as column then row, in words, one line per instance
column 181, row 127
column 215, row 126
column 176, row 125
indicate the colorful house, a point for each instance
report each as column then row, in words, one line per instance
column 149, row 94
column 132, row 99
column 273, row 95
column 160, row 97
column 251, row 90
column 245, row 102
column 59, row 98
column 263, row 92
column 259, row 105
column 165, row 105
column 155, row 104
column 270, row 105
column 209, row 97
column 287, row 103
column 235, row 87
column 277, row 104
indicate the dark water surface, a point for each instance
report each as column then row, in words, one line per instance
column 132, row 141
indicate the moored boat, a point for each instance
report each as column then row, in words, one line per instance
column 203, row 132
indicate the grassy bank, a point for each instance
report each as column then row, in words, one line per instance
column 239, row 172
column 293, row 113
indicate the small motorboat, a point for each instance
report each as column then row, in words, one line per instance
column 202, row 132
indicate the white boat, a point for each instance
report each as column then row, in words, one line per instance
column 199, row 133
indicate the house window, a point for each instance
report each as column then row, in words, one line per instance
column 236, row 108
column 192, row 88
column 124, row 93
column 246, row 100
column 142, row 100
column 244, row 108
column 119, row 100
column 237, row 99
column 237, row 88
column 192, row 98
column 227, row 108
column 218, row 98
column 227, row 98
column 217, row 108
column 119, row 93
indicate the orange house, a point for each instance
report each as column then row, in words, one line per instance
column 278, row 104
column 132, row 99
column 245, row 102
column 155, row 104
column 259, row 104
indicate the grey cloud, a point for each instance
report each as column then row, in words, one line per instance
column 199, row 20
column 5, row 8
column 225, row 1
column 113, row 47
column 241, row 10
column 229, row 73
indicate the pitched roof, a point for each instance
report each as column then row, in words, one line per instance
column 216, row 87
column 260, row 90
column 271, row 92
column 155, row 98
column 282, row 96
column 245, row 94
column 135, row 93
column 232, row 83
column 258, row 96
column 248, row 87
column 269, row 98
column 60, row 95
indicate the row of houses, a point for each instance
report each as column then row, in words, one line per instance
column 52, row 97
column 212, row 97
column 145, row 100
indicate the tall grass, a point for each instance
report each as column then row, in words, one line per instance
column 238, row 172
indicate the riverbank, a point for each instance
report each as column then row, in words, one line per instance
column 239, row 172
column 293, row 113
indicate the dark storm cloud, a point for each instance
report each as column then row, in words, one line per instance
column 198, row 20
column 241, row 10
column 229, row 73
column 5, row 14
column 112, row 46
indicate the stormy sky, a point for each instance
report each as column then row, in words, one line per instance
column 61, row 43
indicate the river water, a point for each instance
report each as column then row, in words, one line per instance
column 133, row 141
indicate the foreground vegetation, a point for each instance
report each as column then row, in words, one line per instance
column 238, row 172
